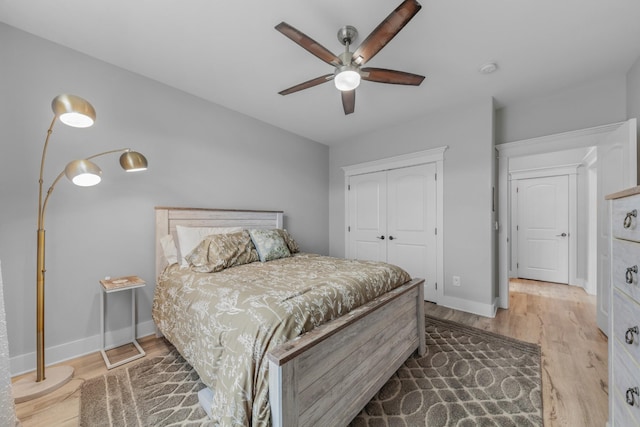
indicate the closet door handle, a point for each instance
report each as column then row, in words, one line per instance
column 380, row 237
column 561, row 235
column 628, row 336
column 391, row 237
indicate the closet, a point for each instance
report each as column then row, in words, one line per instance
column 392, row 217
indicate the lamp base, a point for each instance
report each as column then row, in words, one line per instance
column 28, row 389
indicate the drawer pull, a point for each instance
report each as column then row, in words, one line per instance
column 628, row 336
column 627, row 219
column 631, row 391
column 629, row 274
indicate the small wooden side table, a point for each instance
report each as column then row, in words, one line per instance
column 128, row 283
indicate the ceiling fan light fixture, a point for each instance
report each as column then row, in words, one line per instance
column 348, row 72
column 346, row 78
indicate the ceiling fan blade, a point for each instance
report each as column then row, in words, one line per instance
column 307, row 84
column 349, row 101
column 385, row 31
column 382, row 75
column 309, row 44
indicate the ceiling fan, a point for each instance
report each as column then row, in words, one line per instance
column 348, row 65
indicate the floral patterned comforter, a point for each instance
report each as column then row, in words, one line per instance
column 224, row 323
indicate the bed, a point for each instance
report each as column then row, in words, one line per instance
column 323, row 374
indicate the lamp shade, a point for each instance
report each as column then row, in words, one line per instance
column 132, row 161
column 346, row 78
column 73, row 111
column 83, row 172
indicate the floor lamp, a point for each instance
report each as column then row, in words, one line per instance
column 76, row 112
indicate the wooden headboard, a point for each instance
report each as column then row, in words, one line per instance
column 167, row 218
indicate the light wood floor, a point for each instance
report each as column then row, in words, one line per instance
column 560, row 318
column 61, row 407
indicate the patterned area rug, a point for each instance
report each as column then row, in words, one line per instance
column 159, row 391
column 469, row 377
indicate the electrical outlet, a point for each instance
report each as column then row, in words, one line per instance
column 456, row 281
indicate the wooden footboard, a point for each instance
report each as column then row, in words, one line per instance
column 328, row 375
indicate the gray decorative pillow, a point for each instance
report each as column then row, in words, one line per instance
column 219, row 251
column 269, row 244
column 291, row 244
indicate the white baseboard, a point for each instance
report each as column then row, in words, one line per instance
column 590, row 287
column 24, row 363
column 481, row 309
column 579, row 282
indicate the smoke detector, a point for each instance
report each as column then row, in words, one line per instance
column 488, row 68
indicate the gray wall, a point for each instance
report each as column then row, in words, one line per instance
column 468, row 178
column 200, row 154
column 590, row 104
column 633, row 91
column 633, row 100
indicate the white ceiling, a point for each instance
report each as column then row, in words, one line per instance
column 228, row 52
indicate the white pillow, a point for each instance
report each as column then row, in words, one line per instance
column 169, row 249
column 190, row 237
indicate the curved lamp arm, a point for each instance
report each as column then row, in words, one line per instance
column 138, row 162
column 40, row 181
column 120, row 150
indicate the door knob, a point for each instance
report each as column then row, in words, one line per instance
column 391, row 237
column 380, row 237
column 561, row 235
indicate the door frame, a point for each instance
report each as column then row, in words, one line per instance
column 571, row 171
column 589, row 137
column 434, row 155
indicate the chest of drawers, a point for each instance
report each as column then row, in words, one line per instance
column 624, row 315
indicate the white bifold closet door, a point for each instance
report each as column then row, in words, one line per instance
column 368, row 216
column 392, row 218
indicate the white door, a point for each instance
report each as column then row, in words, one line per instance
column 543, row 229
column 616, row 171
column 411, row 223
column 392, row 218
column 368, row 216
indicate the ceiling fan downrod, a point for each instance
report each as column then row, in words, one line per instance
column 347, row 35
column 347, row 75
